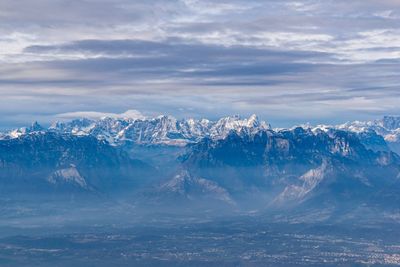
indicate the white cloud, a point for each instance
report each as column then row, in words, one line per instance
column 301, row 7
column 191, row 65
column 130, row 114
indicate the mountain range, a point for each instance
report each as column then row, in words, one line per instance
column 160, row 130
column 171, row 131
column 240, row 163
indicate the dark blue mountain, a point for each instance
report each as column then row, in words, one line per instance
column 242, row 163
column 298, row 167
column 48, row 161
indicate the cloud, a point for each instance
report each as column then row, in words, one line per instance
column 130, row 114
column 286, row 59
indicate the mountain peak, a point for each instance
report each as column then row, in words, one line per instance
column 253, row 121
column 36, row 127
column 391, row 122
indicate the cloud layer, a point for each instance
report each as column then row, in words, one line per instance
column 289, row 61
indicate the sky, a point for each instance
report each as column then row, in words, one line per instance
column 289, row 62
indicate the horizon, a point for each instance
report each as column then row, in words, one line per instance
column 137, row 115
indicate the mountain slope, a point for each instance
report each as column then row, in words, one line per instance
column 46, row 161
column 234, row 161
column 187, row 187
column 296, row 166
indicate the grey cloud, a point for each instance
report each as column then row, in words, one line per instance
column 169, row 47
column 51, row 13
column 286, row 59
column 178, row 61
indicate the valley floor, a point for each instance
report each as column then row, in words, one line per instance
column 239, row 241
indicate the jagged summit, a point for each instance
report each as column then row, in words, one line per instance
column 378, row 135
column 390, row 122
column 387, row 128
column 163, row 129
column 35, row 127
column 232, row 161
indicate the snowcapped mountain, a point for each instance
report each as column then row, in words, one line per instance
column 232, row 161
column 378, row 135
column 35, row 127
column 388, row 127
column 298, row 144
column 383, row 134
column 296, row 166
column 160, row 130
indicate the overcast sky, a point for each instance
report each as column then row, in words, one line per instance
column 323, row 61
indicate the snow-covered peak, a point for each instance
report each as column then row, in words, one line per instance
column 322, row 128
column 388, row 127
column 35, row 127
column 228, row 124
column 356, row 126
column 135, row 128
column 390, row 122
column 308, row 127
column 236, row 121
column 163, row 129
column 382, row 126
